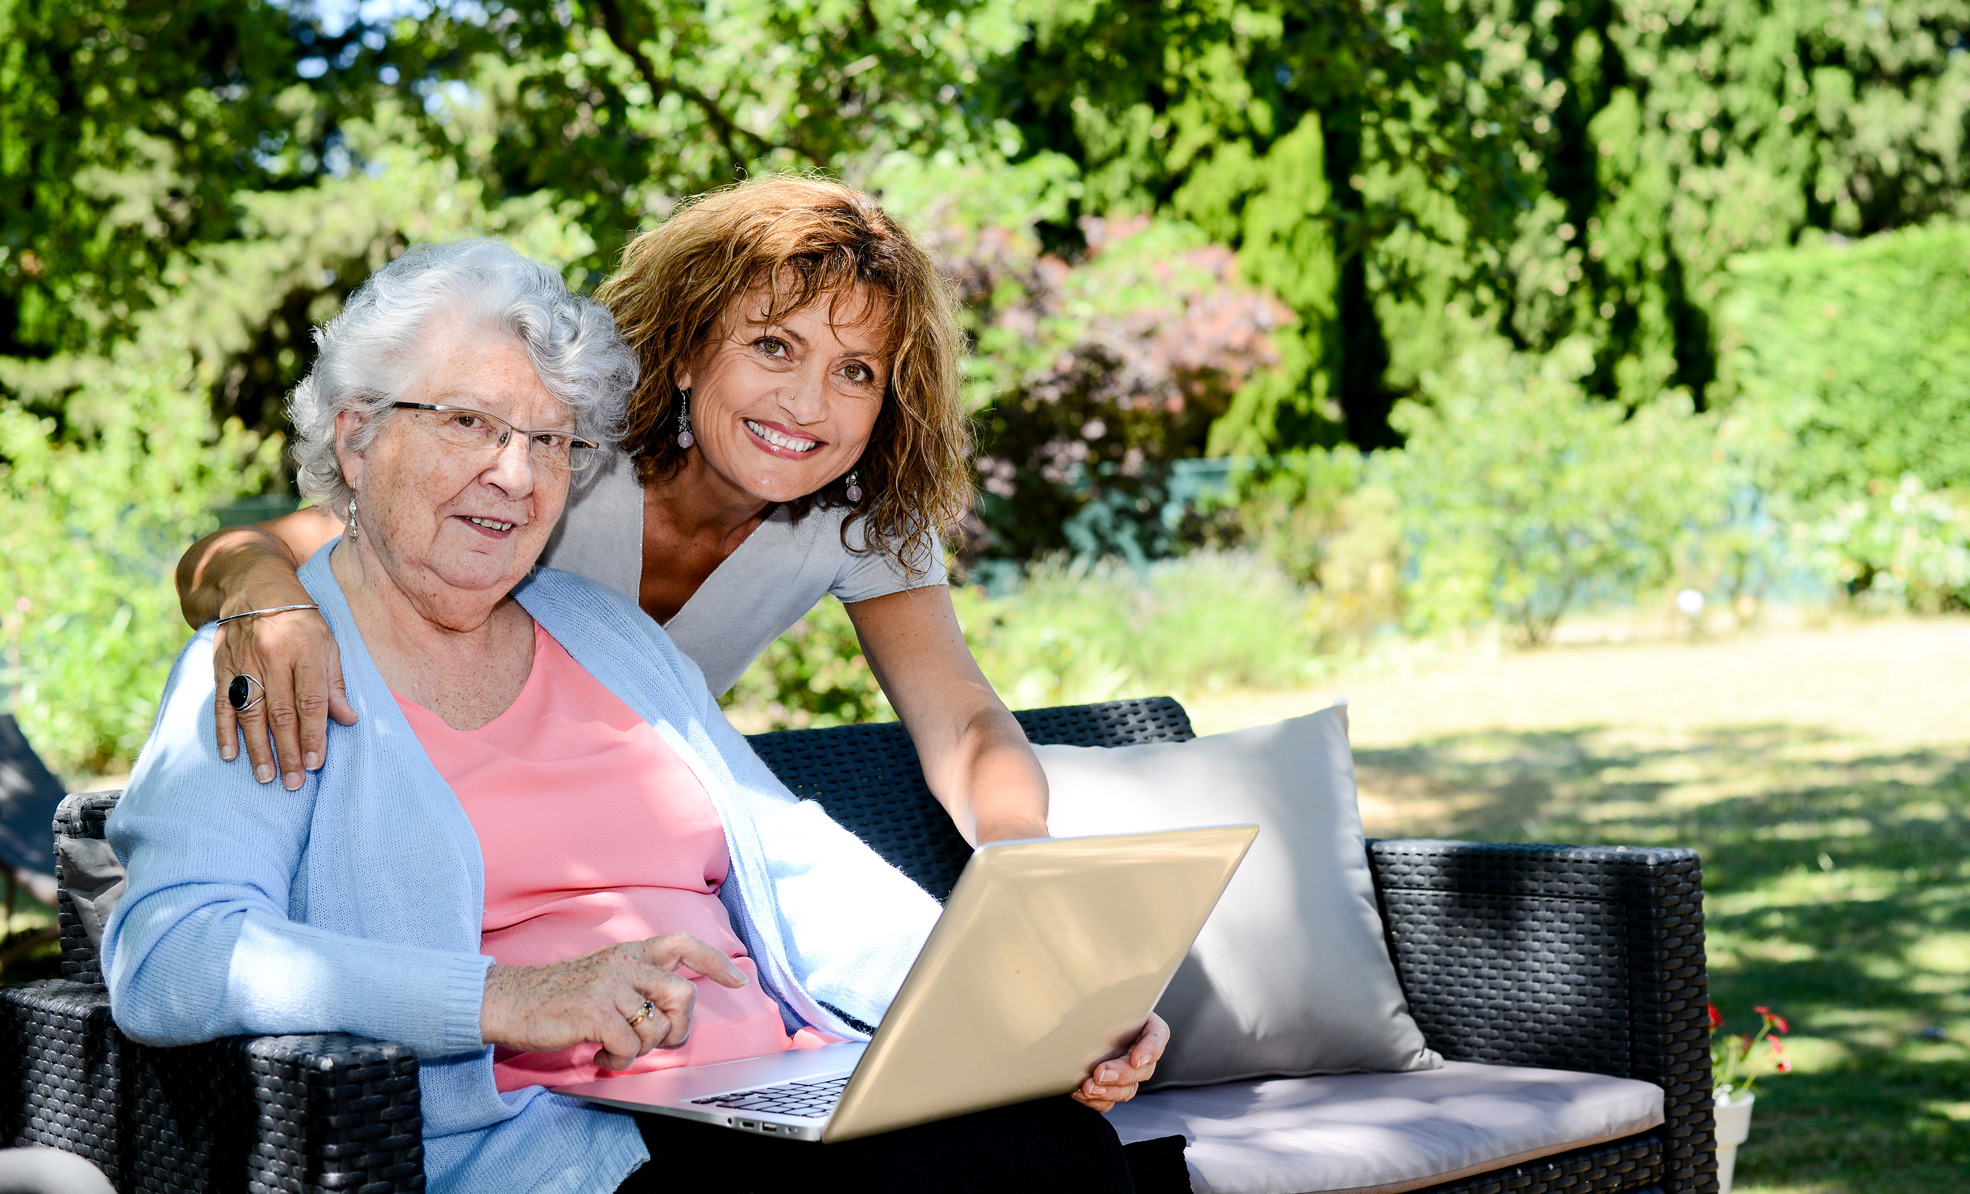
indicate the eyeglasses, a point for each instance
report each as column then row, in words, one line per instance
column 477, row 431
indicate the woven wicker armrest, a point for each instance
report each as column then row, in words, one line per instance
column 1569, row 957
column 328, row 1112
column 82, row 815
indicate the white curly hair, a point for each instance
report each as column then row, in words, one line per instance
column 371, row 352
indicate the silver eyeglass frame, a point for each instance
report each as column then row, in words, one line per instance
column 574, row 441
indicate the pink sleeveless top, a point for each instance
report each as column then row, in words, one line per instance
column 594, row 833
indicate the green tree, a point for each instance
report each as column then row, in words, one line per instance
column 626, row 106
column 96, row 504
column 1681, row 133
column 126, row 131
column 1263, row 122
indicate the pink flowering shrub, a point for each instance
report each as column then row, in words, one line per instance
column 1090, row 376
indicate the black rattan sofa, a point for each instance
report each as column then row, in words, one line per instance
column 1550, row 956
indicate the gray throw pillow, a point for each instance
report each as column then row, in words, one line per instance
column 1291, row 975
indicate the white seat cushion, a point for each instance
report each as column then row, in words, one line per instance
column 1385, row 1133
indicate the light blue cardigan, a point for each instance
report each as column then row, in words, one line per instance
column 354, row 904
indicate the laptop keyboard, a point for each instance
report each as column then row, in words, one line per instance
column 808, row 1100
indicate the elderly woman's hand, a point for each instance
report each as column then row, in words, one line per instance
column 1115, row 1080
column 594, row 998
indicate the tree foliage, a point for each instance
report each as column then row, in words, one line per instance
column 1845, row 362
column 127, row 131
column 1639, row 194
column 1404, row 174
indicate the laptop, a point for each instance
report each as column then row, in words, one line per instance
column 1049, row 957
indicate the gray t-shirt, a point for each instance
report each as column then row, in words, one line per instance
column 782, row 569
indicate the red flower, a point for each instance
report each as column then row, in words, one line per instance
column 1778, row 1046
column 1716, row 1018
column 1785, row 1065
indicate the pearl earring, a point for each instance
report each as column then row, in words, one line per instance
column 354, row 530
column 684, row 437
column 854, row 490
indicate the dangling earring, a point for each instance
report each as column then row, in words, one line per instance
column 354, row 531
column 684, row 437
column 854, row 490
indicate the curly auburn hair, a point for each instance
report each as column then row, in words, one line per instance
column 803, row 240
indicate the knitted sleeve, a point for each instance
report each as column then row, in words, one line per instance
column 203, row 944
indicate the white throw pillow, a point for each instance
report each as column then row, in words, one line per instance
column 1291, row 975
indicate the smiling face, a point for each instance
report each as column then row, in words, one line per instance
column 456, row 528
column 781, row 409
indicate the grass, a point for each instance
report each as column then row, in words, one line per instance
column 1838, row 892
column 29, row 948
column 1835, row 836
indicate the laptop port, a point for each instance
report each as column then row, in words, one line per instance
column 769, row 1127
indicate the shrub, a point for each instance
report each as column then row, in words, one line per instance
column 1090, row 375
column 1848, row 406
column 1077, row 630
column 811, row 676
column 1521, row 497
column 94, row 510
column 1318, row 517
column 1901, row 545
column 1845, row 363
column 1071, row 631
column 1094, row 376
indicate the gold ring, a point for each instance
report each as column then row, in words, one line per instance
column 649, row 1009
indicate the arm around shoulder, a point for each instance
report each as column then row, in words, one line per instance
column 251, row 567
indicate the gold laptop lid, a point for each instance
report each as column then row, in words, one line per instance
column 1048, row 958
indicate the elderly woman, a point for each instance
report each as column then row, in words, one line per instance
column 539, row 852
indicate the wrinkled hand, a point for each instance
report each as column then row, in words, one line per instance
column 594, row 998
column 1115, row 1080
column 299, row 667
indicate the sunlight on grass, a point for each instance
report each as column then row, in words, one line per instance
column 1838, row 892
column 1944, row 953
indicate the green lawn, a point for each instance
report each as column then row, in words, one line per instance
column 1838, row 893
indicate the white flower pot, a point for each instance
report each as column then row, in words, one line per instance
column 1733, row 1128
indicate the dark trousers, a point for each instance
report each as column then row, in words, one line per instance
column 1030, row 1148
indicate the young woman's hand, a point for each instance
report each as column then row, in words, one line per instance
column 596, row 996
column 291, row 656
column 299, row 669
column 1115, row 1080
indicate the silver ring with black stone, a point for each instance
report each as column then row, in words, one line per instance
column 240, row 693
